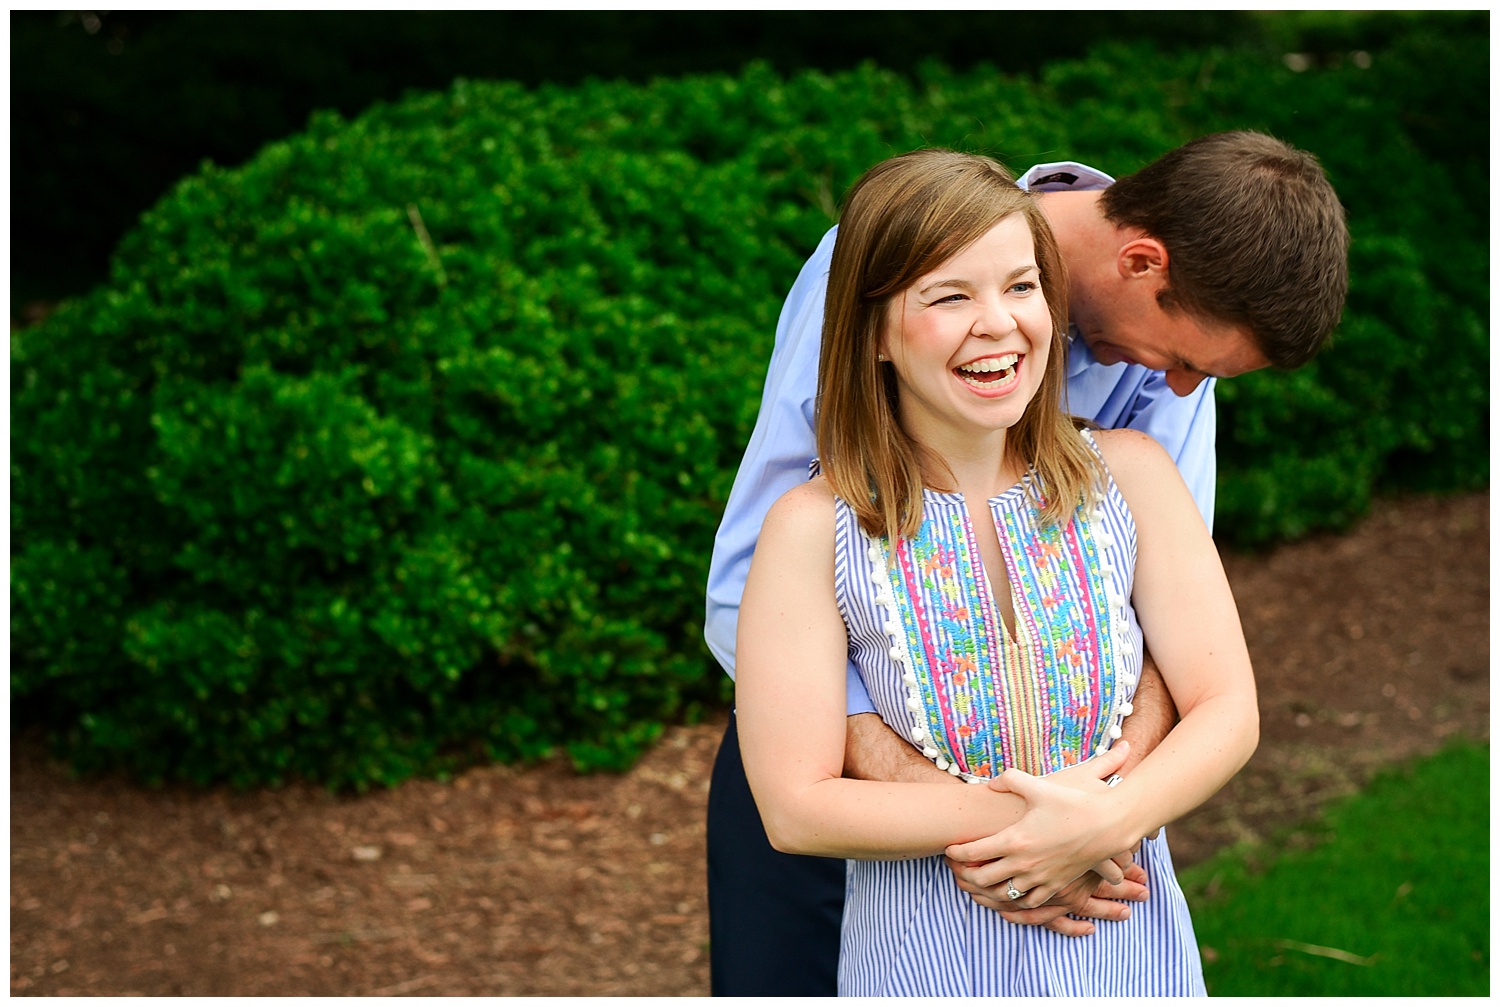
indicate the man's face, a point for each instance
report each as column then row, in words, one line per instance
column 1187, row 348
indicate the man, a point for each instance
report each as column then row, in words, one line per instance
column 1226, row 255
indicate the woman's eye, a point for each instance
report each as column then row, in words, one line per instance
column 1024, row 288
column 950, row 299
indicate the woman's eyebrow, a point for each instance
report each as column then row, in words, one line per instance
column 962, row 284
column 955, row 283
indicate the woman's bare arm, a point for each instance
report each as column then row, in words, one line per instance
column 789, row 697
column 1192, row 627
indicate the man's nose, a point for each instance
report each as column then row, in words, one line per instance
column 1183, row 382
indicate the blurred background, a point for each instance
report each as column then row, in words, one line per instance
column 109, row 108
column 377, row 381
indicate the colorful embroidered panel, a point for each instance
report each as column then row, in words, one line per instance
column 1040, row 704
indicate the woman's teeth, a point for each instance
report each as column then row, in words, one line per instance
column 989, row 371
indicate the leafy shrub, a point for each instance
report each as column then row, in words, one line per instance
column 110, row 108
column 385, row 445
column 404, row 444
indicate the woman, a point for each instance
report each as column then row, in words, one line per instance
column 991, row 571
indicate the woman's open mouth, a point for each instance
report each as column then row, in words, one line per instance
column 991, row 372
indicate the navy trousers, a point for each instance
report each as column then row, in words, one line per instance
column 773, row 918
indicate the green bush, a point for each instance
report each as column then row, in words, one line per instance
column 110, row 108
column 404, row 444
column 386, row 447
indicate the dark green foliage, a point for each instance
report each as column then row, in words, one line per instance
column 409, row 437
column 404, row 444
column 111, row 107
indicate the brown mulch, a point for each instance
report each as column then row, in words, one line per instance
column 1369, row 648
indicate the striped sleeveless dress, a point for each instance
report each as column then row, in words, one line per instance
column 944, row 673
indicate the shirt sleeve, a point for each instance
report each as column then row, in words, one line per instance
column 781, row 447
column 1186, row 427
column 1129, row 395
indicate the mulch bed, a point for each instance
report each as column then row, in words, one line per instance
column 1369, row 648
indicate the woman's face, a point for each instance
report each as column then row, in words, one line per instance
column 969, row 340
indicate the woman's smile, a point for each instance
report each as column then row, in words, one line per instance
column 991, row 374
column 969, row 340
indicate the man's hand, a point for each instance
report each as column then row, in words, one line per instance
column 1090, row 896
column 872, row 751
column 1072, row 823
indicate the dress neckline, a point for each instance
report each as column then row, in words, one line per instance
column 1011, row 495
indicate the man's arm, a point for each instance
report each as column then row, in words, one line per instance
column 776, row 459
column 872, row 751
column 1152, row 716
column 1129, row 395
column 1185, row 425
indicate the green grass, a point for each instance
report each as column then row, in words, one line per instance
column 1386, row 895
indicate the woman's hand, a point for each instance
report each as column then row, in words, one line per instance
column 1072, row 910
column 1073, row 824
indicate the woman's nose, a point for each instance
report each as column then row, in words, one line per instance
column 993, row 320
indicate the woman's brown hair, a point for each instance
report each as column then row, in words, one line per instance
column 901, row 220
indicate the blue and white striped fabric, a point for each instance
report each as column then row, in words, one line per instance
column 908, row 929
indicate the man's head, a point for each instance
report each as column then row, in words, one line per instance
column 1240, row 242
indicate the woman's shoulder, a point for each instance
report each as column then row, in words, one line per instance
column 806, row 509
column 1130, row 449
column 1139, row 465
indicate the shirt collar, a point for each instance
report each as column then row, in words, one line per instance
column 1080, row 357
column 1064, row 176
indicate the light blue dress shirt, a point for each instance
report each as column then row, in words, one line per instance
column 783, row 442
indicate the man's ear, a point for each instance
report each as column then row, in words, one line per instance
column 1142, row 257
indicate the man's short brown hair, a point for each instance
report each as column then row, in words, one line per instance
column 1255, row 236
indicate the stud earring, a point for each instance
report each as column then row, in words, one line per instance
column 881, row 357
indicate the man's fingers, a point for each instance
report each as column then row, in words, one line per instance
column 1103, row 909
column 1038, row 917
column 994, row 905
column 1125, row 891
column 978, row 872
column 1069, row 927
column 1109, row 871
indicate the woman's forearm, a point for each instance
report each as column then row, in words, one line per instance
column 871, row 820
column 1193, row 762
column 1063, row 830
